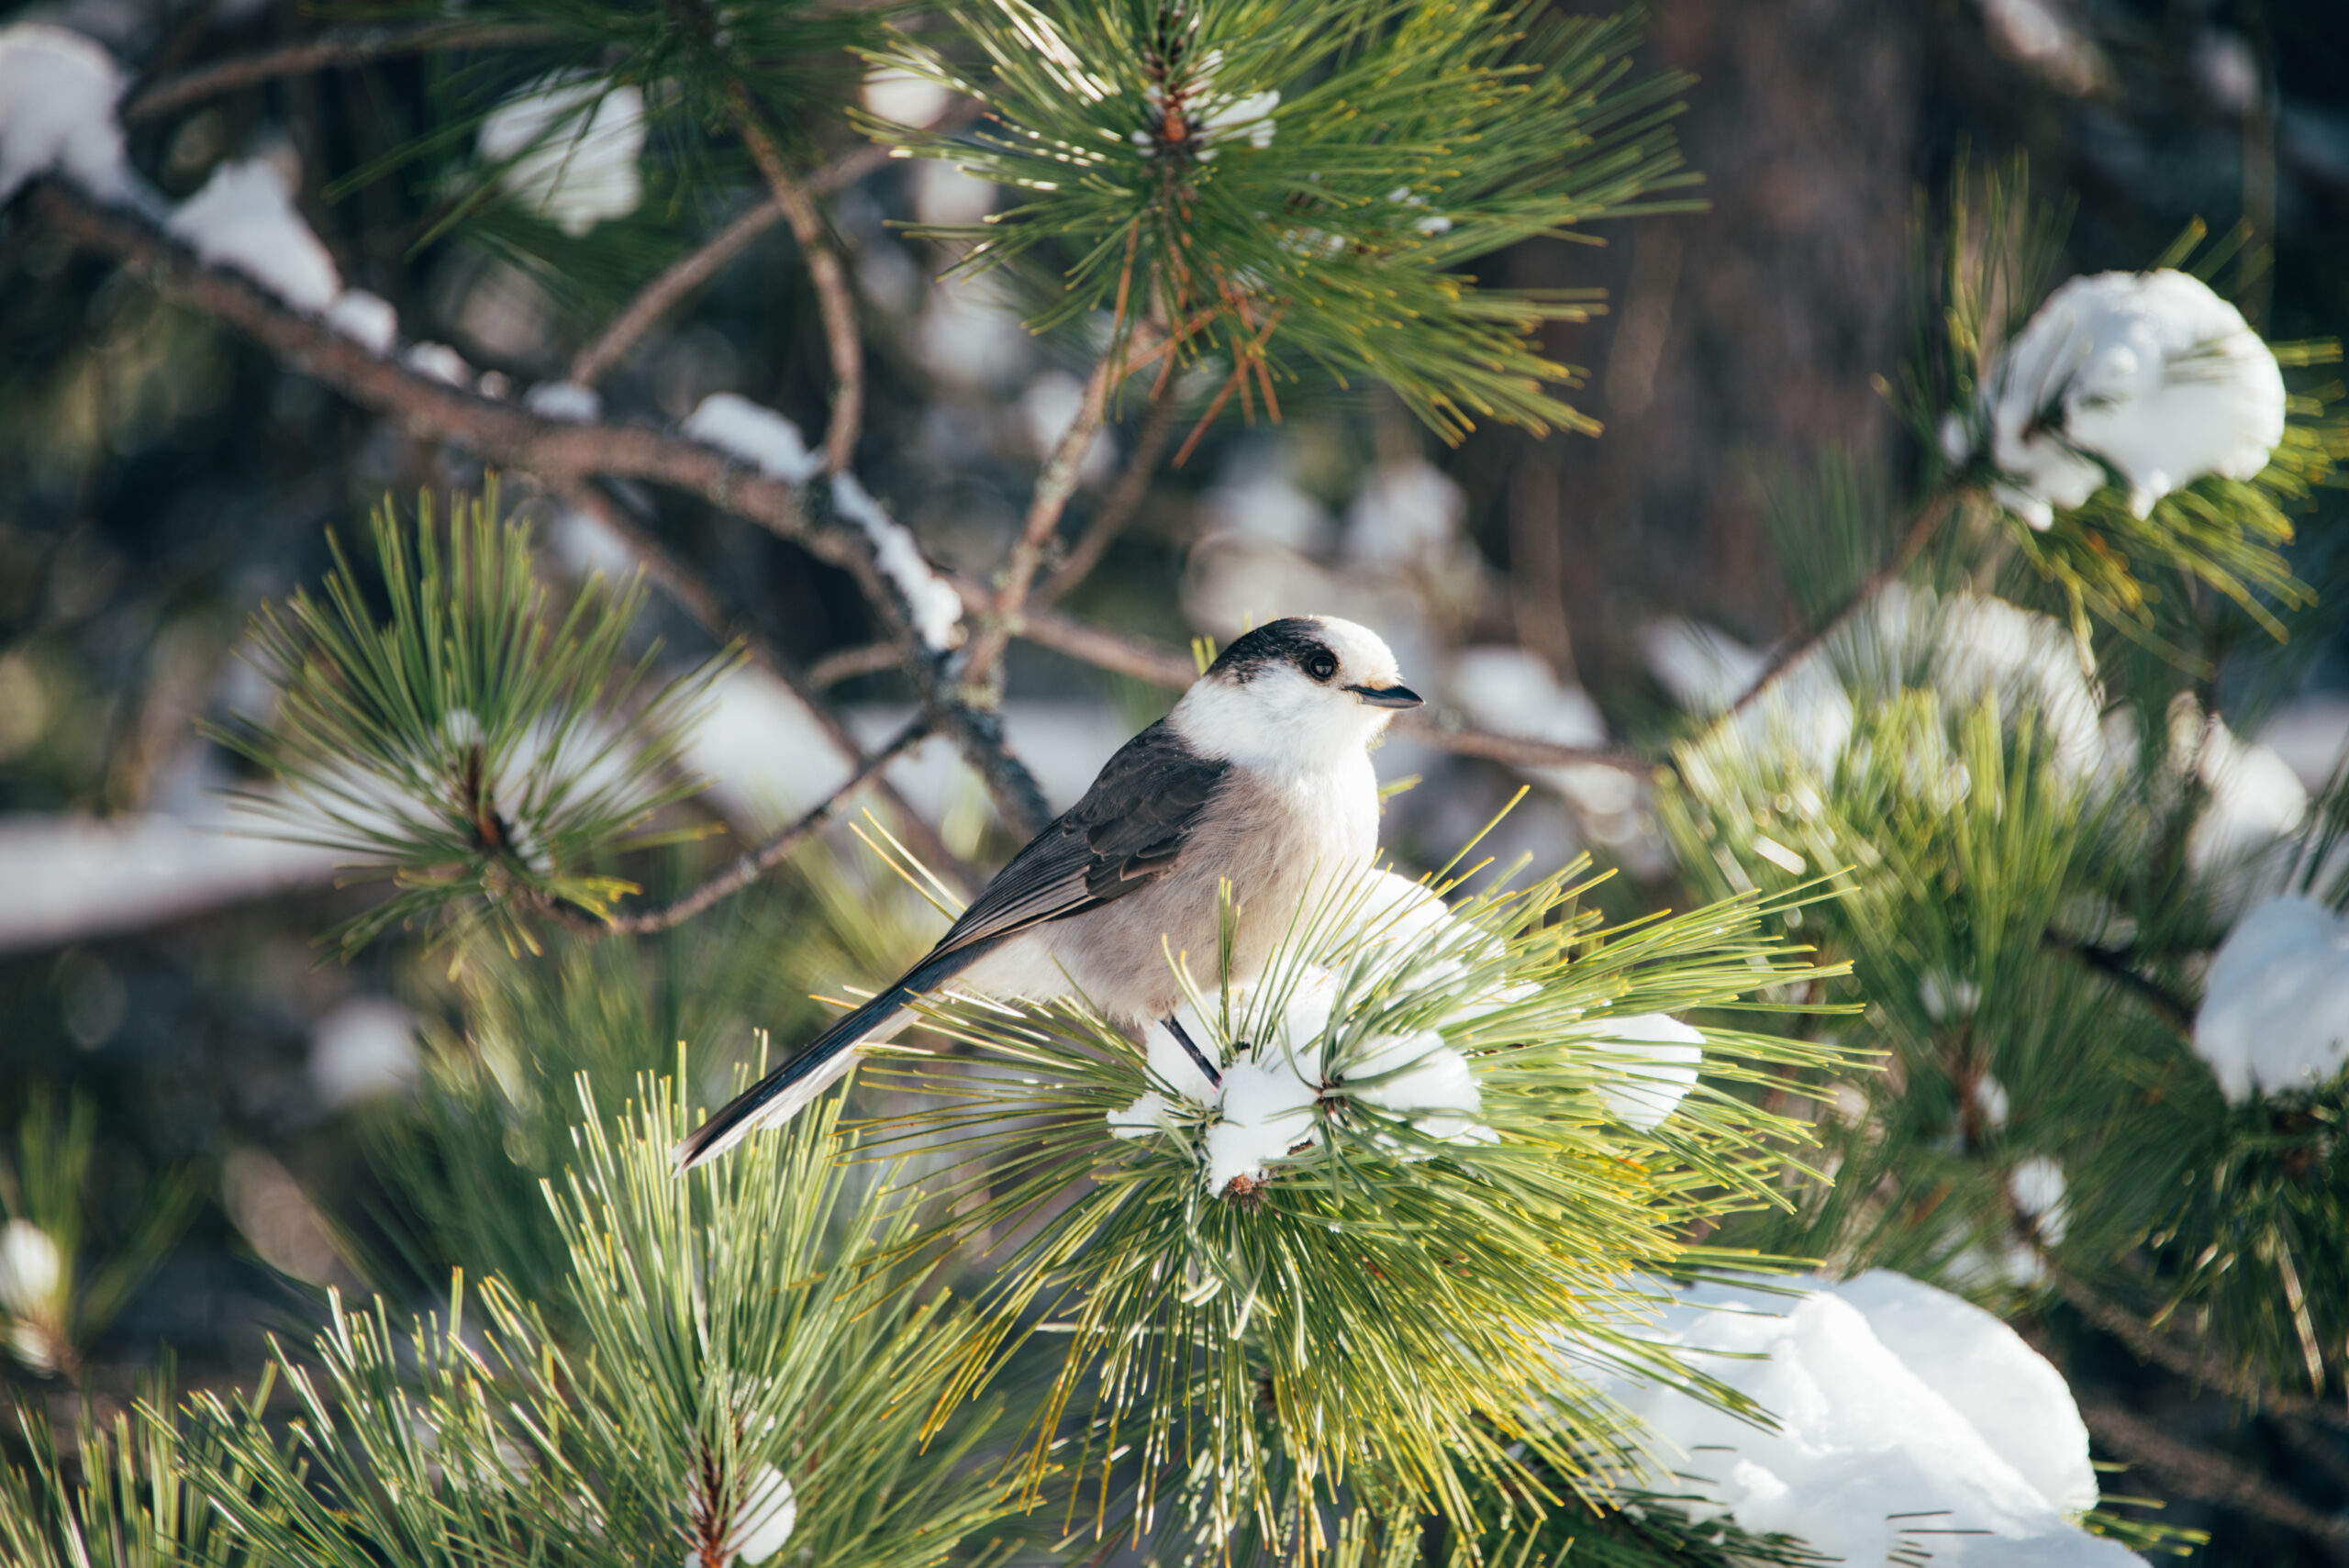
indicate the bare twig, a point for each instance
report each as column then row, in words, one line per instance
column 691, row 588
column 611, row 343
column 2194, row 1472
column 837, row 305
column 2196, row 1366
column 754, row 864
column 353, row 46
column 1923, row 523
column 1123, row 501
column 2169, row 1007
column 868, row 659
column 1053, row 487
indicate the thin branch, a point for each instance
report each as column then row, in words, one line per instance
column 833, row 298
column 842, row 663
column 2196, row 1366
column 610, row 345
column 2194, row 1472
column 559, row 450
column 692, row 589
column 2172, row 1008
column 552, row 448
column 328, row 52
column 1053, row 487
column 1123, row 501
column 754, row 864
column 1923, row 523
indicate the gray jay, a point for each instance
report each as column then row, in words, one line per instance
column 1260, row 777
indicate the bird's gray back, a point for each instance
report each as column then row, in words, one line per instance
column 1270, row 837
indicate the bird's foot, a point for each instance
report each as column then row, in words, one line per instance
column 1174, row 1027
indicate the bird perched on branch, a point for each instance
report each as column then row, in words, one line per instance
column 1260, row 777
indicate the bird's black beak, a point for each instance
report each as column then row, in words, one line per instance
column 1388, row 697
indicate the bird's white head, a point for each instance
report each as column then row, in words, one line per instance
column 1294, row 695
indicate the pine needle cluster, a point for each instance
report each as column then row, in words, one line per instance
column 1280, row 187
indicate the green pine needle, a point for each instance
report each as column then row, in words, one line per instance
column 1328, row 231
column 1387, row 1297
column 486, row 755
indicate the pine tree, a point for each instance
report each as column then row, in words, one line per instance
column 1945, row 1002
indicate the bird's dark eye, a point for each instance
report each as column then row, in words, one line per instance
column 1320, row 666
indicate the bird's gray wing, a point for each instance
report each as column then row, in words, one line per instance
column 1127, row 830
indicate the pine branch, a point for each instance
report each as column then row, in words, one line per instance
column 1124, row 500
column 754, row 864
column 833, row 297
column 2198, row 1473
column 2198, row 1366
column 1924, row 521
column 555, row 449
column 1053, row 487
column 328, row 52
column 692, row 588
column 612, row 342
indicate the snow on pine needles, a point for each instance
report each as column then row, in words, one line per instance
column 1432, row 1134
column 2146, row 379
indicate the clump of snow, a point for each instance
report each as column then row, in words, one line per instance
column 2149, row 377
column 1405, row 517
column 244, row 218
column 947, row 195
column 569, row 401
column 1805, row 710
column 31, row 1269
column 367, row 319
column 758, row 435
column 1269, row 1113
column 898, row 95
column 439, row 361
column 58, row 91
column 1659, row 1057
column 572, row 143
column 2037, row 1188
column 2275, row 1010
column 932, row 602
column 1273, row 1093
column 1258, row 501
column 1945, row 997
column 363, row 1049
column 1049, row 407
column 1418, row 1076
column 1432, row 224
column 2256, row 799
column 1963, row 648
column 2040, row 35
column 1512, row 691
column 770, row 1512
column 1908, row 1422
column 969, row 335
column 2006, row 1390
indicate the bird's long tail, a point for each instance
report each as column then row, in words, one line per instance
column 792, row 1087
